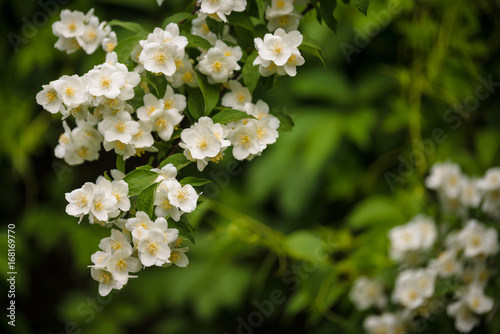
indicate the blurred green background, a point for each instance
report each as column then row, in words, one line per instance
column 296, row 225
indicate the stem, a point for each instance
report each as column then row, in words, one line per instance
column 120, row 163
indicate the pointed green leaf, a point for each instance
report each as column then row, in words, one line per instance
column 326, row 10
column 313, row 47
column 198, row 41
column 194, row 181
column 230, row 115
column 362, row 5
column 177, row 17
column 210, row 93
column 146, row 199
column 138, row 180
column 131, row 26
column 179, row 160
column 250, row 72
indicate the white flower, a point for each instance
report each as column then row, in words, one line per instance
column 471, row 195
column 163, row 206
column 183, row 197
column 385, row 323
column 446, row 177
column 100, row 259
column 104, row 203
column 286, row 22
column 177, row 255
column 184, row 74
column 201, row 139
column 152, row 106
column 120, row 263
column 143, row 138
column 446, row 264
column 221, row 8
column 106, row 280
column 141, row 219
column 71, row 24
column 491, row 180
column 244, row 139
column 82, row 144
column 120, row 191
column 71, row 90
column 120, row 127
column 476, row 239
column 80, row 200
column 115, row 242
column 153, row 250
column 159, row 57
column 465, row 320
column 237, row 97
column 165, row 121
column 417, row 235
column 93, row 35
column 267, row 125
column 125, row 150
column 166, row 172
column 109, row 42
column 476, row 300
column 366, row 293
column 49, row 99
column 105, row 80
column 200, row 28
column 217, row 66
column 413, row 287
column 174, row 101
column 278, row 48
column 279, row 7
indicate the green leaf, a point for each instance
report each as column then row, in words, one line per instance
column 210, row 93
column 196, row 105
column 185, row 228
column 230, row 115
column 240, row 19
column 303, row 244
column 250, row 72
column 179, row 160
column 286, row 122
column 138, row 180
column 194, row 181
column 362, row 5
column 177, row 17
column 120, row 163
column 146, row 199
column 326, row 10
column 124, row 48
column 198, row 41
column 131, row 26
column 375, row 210
column 313, row 47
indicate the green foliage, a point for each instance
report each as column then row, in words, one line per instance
column 230, row 115
column 319, row 190
column 138, row 180
column 179, row 161
column 146, row 199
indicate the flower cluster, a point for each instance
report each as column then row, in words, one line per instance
column 140, row 242
column 77, row 30
column 462, row 261
column 459, row 193
column 167, row 92
column 97, row 100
